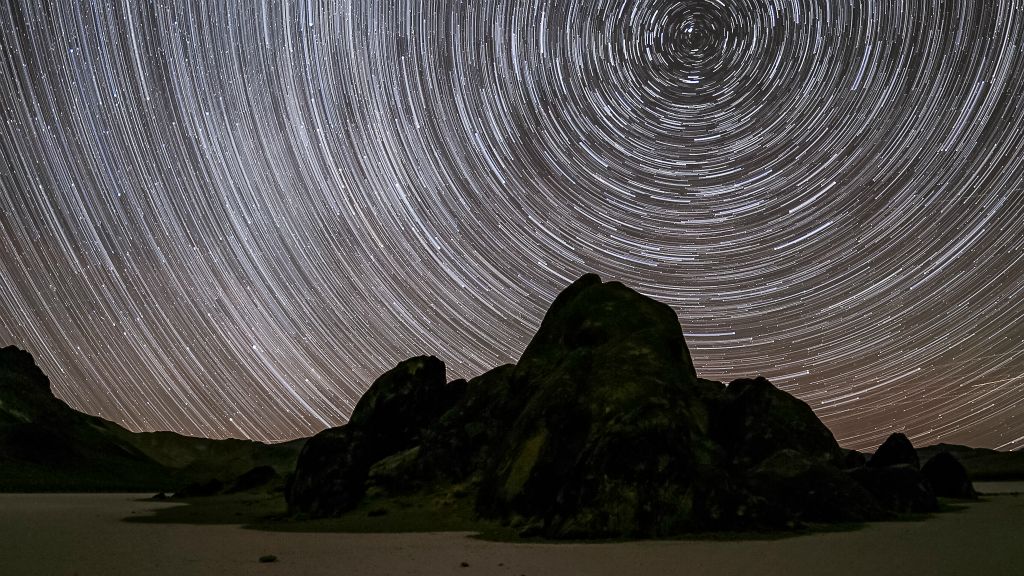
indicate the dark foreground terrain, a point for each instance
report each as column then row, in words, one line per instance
column 84, row 534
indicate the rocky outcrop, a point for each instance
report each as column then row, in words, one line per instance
column 757, row 420
column 25, row 395
column 602, row 429
column 892, row 477
column 895, row 451
column 948, row 477
column 403, row 401
column 899, row 489
column 463, row 442
column 331, row 472
column 605, row 434
column 790, row 488
column 853, row 459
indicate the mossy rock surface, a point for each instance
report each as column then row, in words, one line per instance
column 607, row 435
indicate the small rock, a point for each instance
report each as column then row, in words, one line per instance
column 948, row 477
column 268, row 558
column 895, row 451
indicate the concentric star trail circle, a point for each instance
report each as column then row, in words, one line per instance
column 228, row 218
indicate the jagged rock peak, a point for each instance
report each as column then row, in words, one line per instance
column 590, row 313
column 895, row 451
column 20, row 373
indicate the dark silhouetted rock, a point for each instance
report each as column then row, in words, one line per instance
column 402, row 402
column 789, row 487
column 711, row 392
column 853, row 459
column 896, row 450
column 948, row 477
column 784, row 459
column 893, row 478
column 330, row 476
column 602, row 429
column 900, row 489
column 605, row 434
column 757, row 419
column 332, row 469
column 25, row 396
column 462, row 443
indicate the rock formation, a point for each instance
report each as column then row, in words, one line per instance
column 330, row 476
column 602, row 429
column 948, row 477
column 894, row 480
column 895, row 451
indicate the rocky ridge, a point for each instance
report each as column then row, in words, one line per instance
column 603, row 429
column 45, row 445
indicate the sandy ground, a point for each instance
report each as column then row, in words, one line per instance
column 47, row 534
column 1008, row 487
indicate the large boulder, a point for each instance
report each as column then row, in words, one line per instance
column 892, row 477
column 402, row 402
column 948, row 477
column 757, row 419
column 789, row 487
column 605, row 434
column 331, row 472
column 783, row 457
column 895, row 451
column 255, row 479
column 330, row 475
column 899, row 489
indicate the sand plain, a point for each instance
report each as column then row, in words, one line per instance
column 83, row 534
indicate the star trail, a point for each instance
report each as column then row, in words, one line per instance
column 227, row 218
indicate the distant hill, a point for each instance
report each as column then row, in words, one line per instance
column 981, row 463
column 45, row 445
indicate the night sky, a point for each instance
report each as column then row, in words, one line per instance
column 227, row 218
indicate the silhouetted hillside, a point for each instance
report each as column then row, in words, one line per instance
column 47, row 446
column 981, row 463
